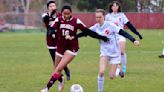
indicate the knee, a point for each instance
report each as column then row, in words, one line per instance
column 58, row 70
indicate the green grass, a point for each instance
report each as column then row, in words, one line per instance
column 25, row 64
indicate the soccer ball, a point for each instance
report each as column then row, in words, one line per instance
column 76, row 88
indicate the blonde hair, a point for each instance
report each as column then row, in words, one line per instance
column 101, row 11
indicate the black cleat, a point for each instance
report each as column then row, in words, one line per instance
column 121, row 74
column 161, row 56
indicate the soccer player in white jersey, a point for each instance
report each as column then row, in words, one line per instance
column 119, row 18
column 109, row 50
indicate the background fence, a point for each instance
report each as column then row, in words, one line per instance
column 34, row 20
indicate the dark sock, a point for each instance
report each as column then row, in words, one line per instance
column 60, row 79
column 67, row 72
column 52, row 80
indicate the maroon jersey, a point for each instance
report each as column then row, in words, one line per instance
column 50, row 39
column 65, row 27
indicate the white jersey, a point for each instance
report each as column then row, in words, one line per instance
column 110, row 30
column 119, row 19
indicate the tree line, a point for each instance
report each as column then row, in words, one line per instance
column 84, row 5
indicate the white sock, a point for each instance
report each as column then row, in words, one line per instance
column 123, row 60
column 100, row 81
column 163, row 52
column 117, row 71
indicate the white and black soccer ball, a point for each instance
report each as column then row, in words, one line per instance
column 76, row 88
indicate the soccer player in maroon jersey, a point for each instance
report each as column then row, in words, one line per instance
column 67, row 45
column 51, row 38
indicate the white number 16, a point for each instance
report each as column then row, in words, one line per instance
column 65, row 32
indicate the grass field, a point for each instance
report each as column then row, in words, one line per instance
column 25, row 64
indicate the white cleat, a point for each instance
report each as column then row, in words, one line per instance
column 61, row 85
column 44, row 90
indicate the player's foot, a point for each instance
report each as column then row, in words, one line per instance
column 68, row 74
column 161, row 56
column 44, row 90
column 121, row 74
column 124, row 69
column 61, row 85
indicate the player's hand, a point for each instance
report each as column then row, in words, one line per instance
column 53, row 35
column 50, row 31
column 71, row 37
column 136, row 43
column 52, row 13
column 104, row 38
column 68, row 37
column 140, row 37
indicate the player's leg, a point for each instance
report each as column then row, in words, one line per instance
column 52, row 53
column 162, row 55
column 102, row 67
column 66, row 59
column 112, row 73
column 66, row 69
column 115, row 69
column 122, row 43
column 67, row 72
column 56, row 59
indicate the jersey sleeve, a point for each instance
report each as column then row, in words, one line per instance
column 55, row 24
column 44, row 14
column 93, row 28
column 114, row 28
column 45, row 18
column 80, row 24
column 125, row 19
column 107, row 17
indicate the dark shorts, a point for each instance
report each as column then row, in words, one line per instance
column 67, row 46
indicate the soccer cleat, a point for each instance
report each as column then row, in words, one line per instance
column 121, row 74
column 68, row 74
column 124, row 69
column 161, row 56
column 44, row 90
column 61, row 85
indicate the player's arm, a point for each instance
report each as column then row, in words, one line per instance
column 52, row 13
column 81, row 34
column 133, row 29
column 130, row 37
column 51, row 31
column 53, row 26
column 45, row 18
column 88, row 32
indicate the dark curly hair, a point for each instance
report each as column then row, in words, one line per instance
column 66, row 6
column 111, row 4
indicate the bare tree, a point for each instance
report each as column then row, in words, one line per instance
column 26, row 5
column 149, row 5
column 138, row 5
